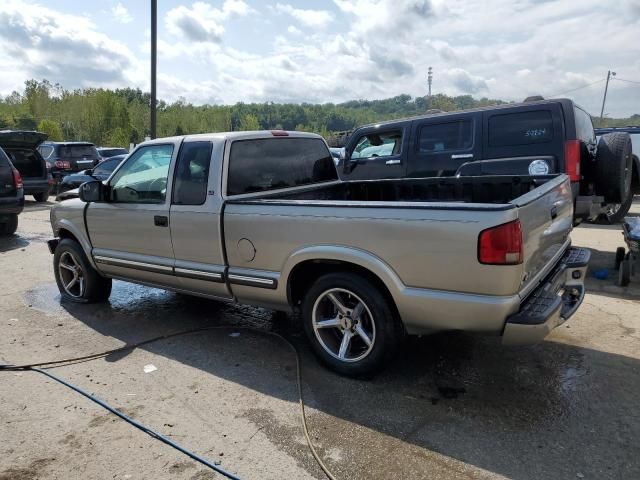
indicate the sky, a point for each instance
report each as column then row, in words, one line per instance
column 228, row 51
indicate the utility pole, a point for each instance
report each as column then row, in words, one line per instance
column 154, row 51
column 606, row 87
column 429, row 81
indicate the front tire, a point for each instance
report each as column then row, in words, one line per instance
column 9, row 226
column 350, row 323
column 77, row 280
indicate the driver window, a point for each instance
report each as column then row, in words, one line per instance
column 375, row 145
column 143, row 178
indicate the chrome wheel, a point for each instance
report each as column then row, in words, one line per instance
column 343, row 325
column 71, row 275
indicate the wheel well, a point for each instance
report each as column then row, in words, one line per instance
column 64, row 233
column 306, row 273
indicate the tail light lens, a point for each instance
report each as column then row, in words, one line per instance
column 572, row 159
column 63, row 164
column 279, row 133
column 17, row 179
column 501, row 245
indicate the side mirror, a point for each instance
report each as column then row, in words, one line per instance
column 88, row 171
column 94, row 191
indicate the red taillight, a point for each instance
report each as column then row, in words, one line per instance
column 17, row 179
column 63, row 164
column 572, row 159
column 279, row 133
column 501, row 245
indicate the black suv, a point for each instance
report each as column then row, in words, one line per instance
column 11, row 195
column 65, row 158
column 22, row 149
column 536, row 137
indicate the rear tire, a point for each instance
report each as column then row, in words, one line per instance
column 624, row 274
column 614, row 167
column 77, row 280
column 620, row 254
column 9, row 226
column 41, row 197
column 350, row 323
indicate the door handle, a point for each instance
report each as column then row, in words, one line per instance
column 461, row 155
column 161, row 221
column 392, row 162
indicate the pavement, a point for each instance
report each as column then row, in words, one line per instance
column 450, row 406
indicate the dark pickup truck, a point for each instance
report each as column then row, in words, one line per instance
column 537, row 137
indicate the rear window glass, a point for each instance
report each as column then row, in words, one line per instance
column 45, row 151
column 446, row 136
column 520, row 128
column 271, row 163
column 78, row 151
column 584, row 126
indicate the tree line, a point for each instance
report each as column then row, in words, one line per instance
column 121, row 116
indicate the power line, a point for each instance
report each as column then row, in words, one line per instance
column 578, row 88
column 628, row 81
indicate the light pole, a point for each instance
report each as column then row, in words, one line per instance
column 154, row 50
column 606, row 87
column 429, row 81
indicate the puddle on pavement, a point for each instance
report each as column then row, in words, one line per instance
column 129, row 300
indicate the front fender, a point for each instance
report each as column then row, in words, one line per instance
column 73, row 223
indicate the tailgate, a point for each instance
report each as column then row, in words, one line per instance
column 546, row 215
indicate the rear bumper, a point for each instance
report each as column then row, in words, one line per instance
column 552, row 303
column 36, row 186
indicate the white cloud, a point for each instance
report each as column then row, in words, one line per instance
column 121, row 14
column 310, row 18
column 202, row 22
column 506, row 49
column 41, row 42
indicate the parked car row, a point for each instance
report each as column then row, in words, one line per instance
column 29, row 165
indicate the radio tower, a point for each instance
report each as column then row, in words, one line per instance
column 429, row 81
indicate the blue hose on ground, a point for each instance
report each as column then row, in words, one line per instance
column 139, row 426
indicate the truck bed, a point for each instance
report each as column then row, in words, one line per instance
column 468, row 190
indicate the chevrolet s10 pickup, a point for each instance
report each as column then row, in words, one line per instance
column 262, row 218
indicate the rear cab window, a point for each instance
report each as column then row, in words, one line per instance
column 263, row 164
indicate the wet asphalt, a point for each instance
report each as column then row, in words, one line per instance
column 451, row 405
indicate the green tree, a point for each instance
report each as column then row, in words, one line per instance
column 24, row 121
column 249, row 122
column 52, row 129
column 119, row 137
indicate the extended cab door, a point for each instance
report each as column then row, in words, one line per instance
column 441, row 144
column 195, row 219
column 378, row 152
column 130, row 233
